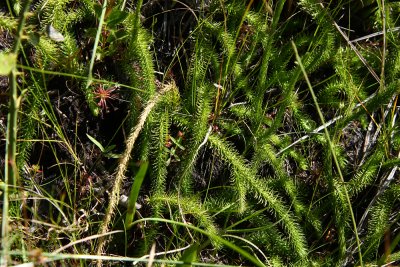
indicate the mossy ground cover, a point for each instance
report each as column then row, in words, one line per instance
column 209, row 133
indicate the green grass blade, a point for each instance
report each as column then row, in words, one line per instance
column 137, row 183
column 190, row 255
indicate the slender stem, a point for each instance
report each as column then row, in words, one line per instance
column 382, row 84
column 10, row 170
column 96, row 42
column 123, row 5
column 332, row 150
column 9, row 8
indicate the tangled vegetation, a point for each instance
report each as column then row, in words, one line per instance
column 204, row 133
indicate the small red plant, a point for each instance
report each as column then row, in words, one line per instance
column 104, row 95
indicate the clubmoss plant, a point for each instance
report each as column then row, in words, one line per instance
column 270, row 129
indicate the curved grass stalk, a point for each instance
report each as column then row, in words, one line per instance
column 332, row 150
column 251, row 244
column 120, row 175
